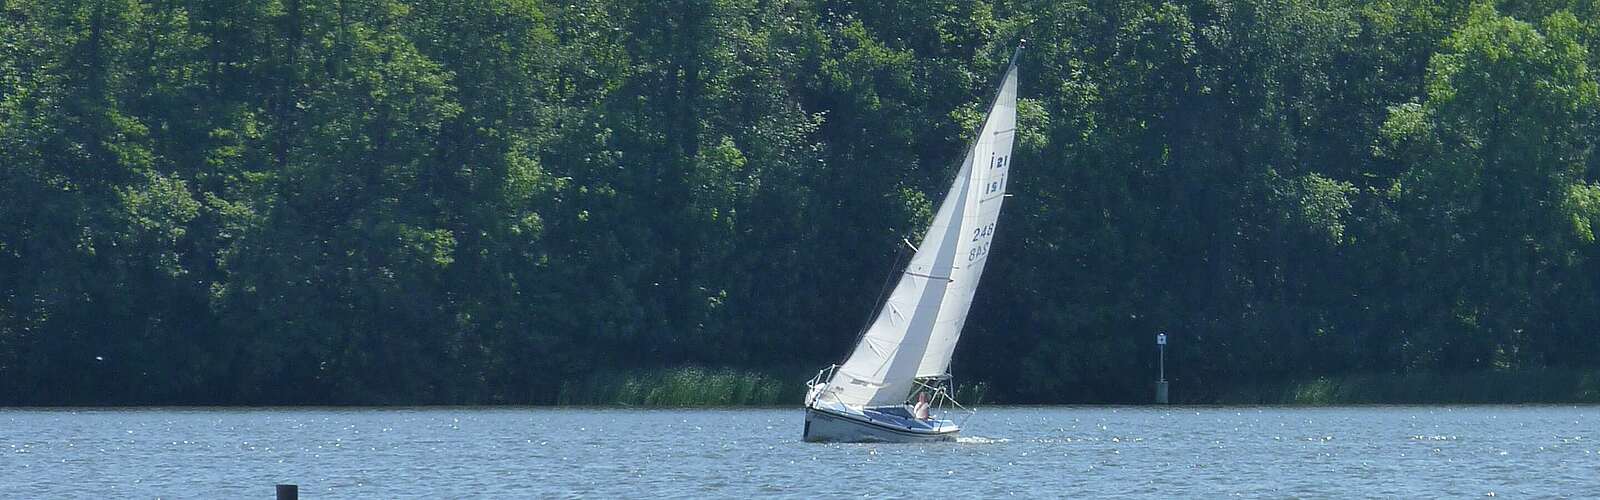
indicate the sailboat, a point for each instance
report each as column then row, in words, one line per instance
column 896, row 385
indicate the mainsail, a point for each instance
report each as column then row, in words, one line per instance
column 916, row 330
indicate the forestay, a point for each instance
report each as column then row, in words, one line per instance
column 915, row 332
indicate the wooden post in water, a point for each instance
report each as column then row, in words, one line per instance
column 288, row 492
column 1161, row 382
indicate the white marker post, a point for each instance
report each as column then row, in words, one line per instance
column 1161, row 383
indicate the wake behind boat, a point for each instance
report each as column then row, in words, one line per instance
column 895, row 386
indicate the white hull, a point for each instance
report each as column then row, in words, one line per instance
column 823, row 426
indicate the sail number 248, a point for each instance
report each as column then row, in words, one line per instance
column 980, row 242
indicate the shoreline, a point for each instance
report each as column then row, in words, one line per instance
column 709, row 388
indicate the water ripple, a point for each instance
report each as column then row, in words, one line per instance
column 1381, row 451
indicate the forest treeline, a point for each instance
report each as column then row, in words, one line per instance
column 507, row 201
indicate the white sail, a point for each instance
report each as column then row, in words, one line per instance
column 881, row 370
column 915, row 332
column 991, row 152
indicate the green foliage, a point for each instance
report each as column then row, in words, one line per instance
column 1319, row 205
column 688, row 386
column 1583, row 204
column 524, row 201
column 1528, row 386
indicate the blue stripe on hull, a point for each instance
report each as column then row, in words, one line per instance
column 824, row 427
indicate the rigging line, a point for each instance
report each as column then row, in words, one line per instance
column 883, row 298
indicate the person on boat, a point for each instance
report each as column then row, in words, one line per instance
column 921, row 409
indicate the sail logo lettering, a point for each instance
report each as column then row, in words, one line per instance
column 997, row 182
column 995, row 186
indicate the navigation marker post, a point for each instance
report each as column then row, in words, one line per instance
column 1161, row 383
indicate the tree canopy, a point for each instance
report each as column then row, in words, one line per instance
column 439, row 201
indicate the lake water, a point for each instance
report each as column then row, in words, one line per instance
column 1371, row 451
